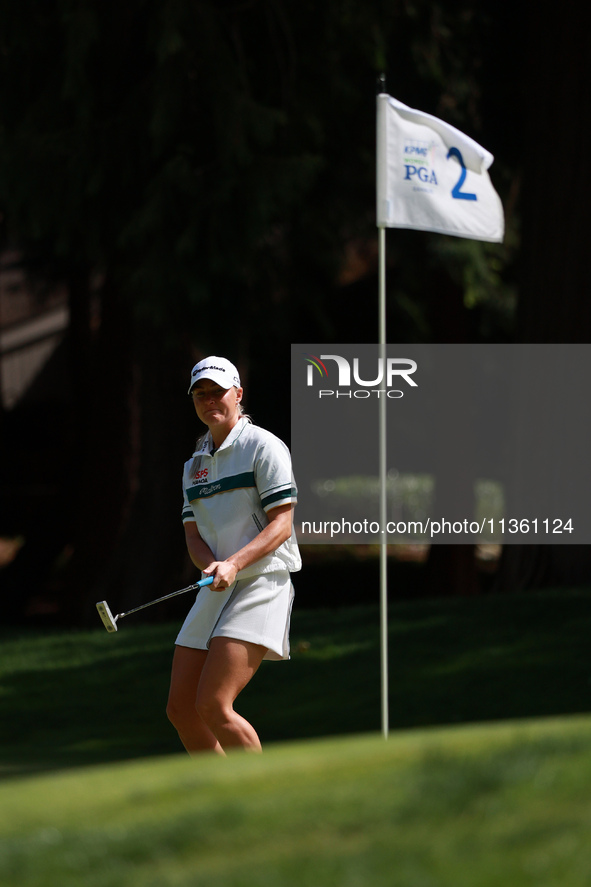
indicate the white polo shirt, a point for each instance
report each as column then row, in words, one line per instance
column 229, row 494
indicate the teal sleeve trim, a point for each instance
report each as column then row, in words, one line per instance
column 288, row 494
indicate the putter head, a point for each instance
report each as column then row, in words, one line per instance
column 109, row 621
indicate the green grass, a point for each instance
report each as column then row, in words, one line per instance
column 507, row 803
column 93, row 792
column 70, row 699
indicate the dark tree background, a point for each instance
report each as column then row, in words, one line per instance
column 555, row 277
column 201, row 177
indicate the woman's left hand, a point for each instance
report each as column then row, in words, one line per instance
column 224, row 574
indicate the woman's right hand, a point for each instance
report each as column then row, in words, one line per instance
column 223, row 572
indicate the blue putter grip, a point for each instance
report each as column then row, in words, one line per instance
column 207, row 581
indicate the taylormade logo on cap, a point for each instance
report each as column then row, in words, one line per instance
column 218, row 369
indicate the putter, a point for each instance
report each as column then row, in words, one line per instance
column 110, row 621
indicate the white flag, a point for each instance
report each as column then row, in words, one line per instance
column 432, row 177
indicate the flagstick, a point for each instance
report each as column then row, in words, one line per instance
column 383, row 487
column 491, row 228
column 381, row 139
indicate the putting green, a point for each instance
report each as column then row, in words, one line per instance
column 483, row 804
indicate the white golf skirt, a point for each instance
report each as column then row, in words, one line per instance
column 257, row 610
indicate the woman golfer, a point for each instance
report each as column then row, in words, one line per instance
column 238, row 499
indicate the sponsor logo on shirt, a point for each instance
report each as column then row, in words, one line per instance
column 201, row 476
column 214, row 488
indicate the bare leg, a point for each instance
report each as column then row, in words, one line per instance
column 187, row 667
column 229, row 666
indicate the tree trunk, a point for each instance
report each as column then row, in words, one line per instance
column 151, row 559
column 101, row 476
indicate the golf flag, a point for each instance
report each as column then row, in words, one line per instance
column 432, row 177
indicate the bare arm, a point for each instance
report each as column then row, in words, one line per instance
column 277, row 531
column 199, row 551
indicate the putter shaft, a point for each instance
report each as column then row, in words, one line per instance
column 110, row 621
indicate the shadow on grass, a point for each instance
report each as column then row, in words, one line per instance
column 76, row 698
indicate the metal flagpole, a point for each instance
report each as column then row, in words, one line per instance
column 382, row 459
column 383, row 489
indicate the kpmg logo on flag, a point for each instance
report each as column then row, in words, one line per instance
column 417, row 149
column 418, row 162
column 399, row 369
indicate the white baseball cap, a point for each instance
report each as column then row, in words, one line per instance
column 218, row 369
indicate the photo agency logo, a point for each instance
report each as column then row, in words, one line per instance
column 382, row 381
